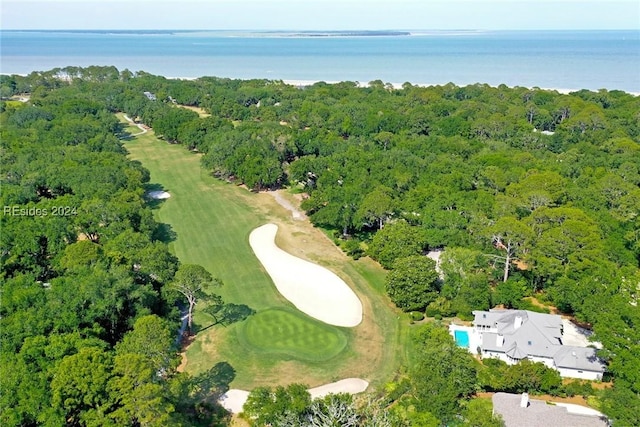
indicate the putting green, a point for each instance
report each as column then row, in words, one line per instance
column 279, row 331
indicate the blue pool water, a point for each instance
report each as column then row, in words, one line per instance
column 462, row 338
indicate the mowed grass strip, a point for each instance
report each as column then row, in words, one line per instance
column 279, row 331
column 210, row 222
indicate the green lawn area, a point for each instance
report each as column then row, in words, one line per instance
column 210, row 221
column 281, row 331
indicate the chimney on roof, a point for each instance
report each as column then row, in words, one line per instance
column 524, row 400
column 499, row 340
column 517, row 322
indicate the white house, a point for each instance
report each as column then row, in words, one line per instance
column 514, row 335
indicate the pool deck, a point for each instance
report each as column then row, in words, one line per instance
column 474, row 338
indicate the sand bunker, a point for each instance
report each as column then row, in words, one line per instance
column 234, row 399
column 349, row 385
column 313, row 289
column 159, row 195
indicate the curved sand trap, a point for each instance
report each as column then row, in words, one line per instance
column 313, row 289
column 349, row 385
column 159, row 195
column 234, row 399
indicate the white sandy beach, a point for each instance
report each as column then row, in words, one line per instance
column 234, row 399
column 313, row 289
column 395, row 85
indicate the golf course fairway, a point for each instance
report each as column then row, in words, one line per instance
column 207, row 221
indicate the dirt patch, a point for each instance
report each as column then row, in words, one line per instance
column 236, row 421
column 534, row 301
column 184, row 345
column 201, row 112
column 521, row 265
column 576, row 400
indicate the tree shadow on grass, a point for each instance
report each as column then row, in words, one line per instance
column 226, row 313
column 214, row 382
column 151, row 202
column 122, row 133
column 164, row 233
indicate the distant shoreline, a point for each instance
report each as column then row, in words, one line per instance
column 255, row 33
column 589, row 60
column 304, row 83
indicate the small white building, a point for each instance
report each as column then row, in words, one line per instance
column 150, row 96
column 514, row 335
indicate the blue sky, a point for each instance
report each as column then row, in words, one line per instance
column 320, row 14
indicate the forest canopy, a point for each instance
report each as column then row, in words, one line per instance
column 530, row 192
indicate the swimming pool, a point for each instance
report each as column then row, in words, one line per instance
column 462, row 338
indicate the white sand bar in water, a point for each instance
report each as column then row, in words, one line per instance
column 313, row 289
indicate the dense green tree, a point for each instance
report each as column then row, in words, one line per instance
column 152, row 338
column 512, row 239
column 509, row 293
column 139, row 395
column 376, row 208
column 413, row 282
column 79, row 387
column 266, row 405
column 621, row 404
column 333, row 410
column 456, row 166
column 479, row 413
column 396, row 240
column 443, row 375
column 192, row 281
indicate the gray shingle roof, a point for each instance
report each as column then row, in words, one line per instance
column 582, row 358
column 539, row 414
column 539, row 335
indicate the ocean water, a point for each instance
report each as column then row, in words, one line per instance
column 547, row 59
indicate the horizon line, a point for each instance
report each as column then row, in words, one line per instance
column 316, row 31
